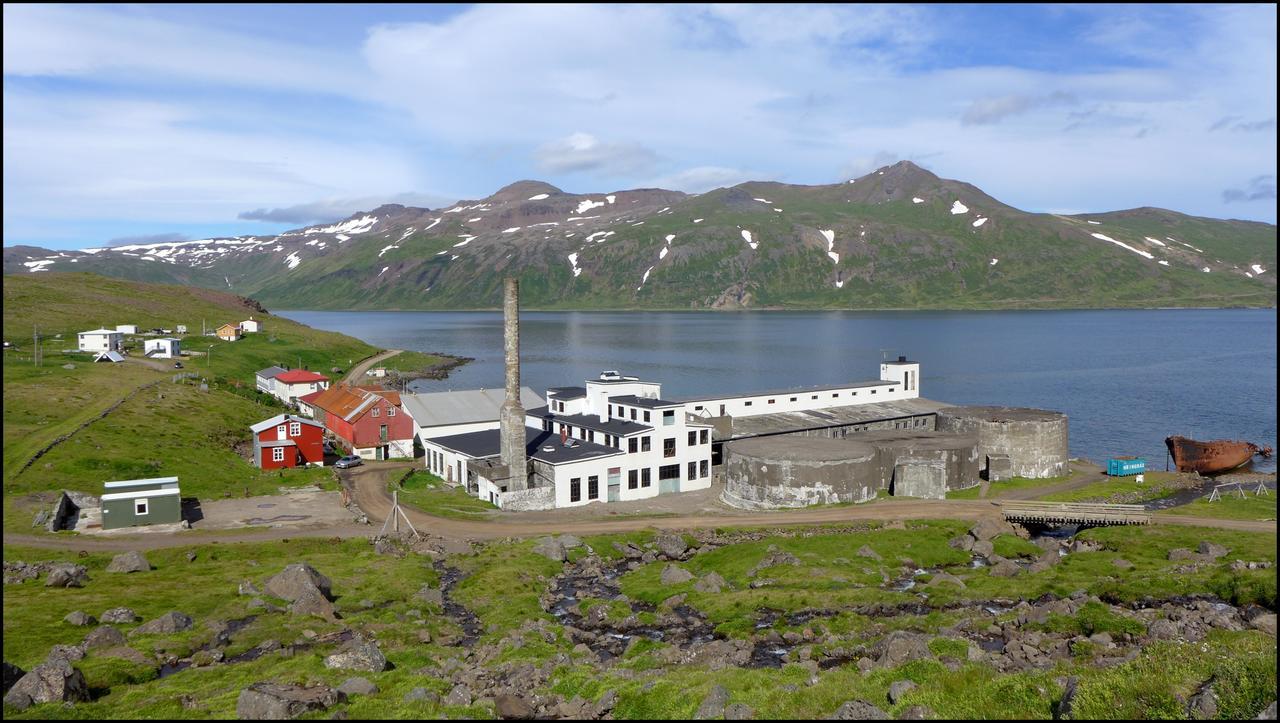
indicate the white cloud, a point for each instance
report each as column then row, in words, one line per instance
column 584, row 152
column 706, row 178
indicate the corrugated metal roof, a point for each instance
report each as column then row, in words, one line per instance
column 782, row 422
column 270, row 372
column 616, row 426
column 113, row 356
column 488, row 443
column 644, row 402
column 143, row 493
column 462, row 407
column 298, row 376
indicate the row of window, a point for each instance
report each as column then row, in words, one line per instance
column 621, row 412
column 391, row 411
column 748, row 403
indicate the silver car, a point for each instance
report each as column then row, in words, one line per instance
column 348, row 461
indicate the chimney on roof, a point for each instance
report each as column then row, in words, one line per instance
column 512, row 416
column 902, row 358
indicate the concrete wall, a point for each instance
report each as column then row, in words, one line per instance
column 1035, row 440
column 771, row 472
column 956, row 453
column 920, row 478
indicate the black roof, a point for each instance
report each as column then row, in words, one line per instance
column 488, row 443
column 646, row 402
column 620, row 427
column 565, row 394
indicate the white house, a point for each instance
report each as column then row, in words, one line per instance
column 250, row 325
column 127, row 328
column 101, row 340
column 442, row 414
column 289, row 385
column 180, row 328
column 166, row 348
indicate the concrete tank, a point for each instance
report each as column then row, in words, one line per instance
column 951, row 459
column 787, row 471
column 1033, row 440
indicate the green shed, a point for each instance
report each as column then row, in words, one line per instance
column 130, row 503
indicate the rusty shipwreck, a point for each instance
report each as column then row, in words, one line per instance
column 1219, row 455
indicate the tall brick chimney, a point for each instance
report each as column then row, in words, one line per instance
column 512, row 417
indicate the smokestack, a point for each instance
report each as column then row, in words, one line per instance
column 512, row 417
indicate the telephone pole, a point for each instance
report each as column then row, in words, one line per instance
column 35, row 350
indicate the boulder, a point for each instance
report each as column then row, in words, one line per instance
column 945, row 578
column 421, row 695
column 1063, row 709
column 1004, row 568
column 1078, row 545
column 68, row 653
column 1212, row 550
column 1266, row 623
column 859, row 710
column 66, row 574
column 672, row 575
column 512, row 707
column 297, row 580
column 248, row 588
column 12, row 674
column 357, row 686
column 713, row 704
column 80, row 619
column 899, row 688
column 739, row 711
column 272, row 701
column 899, row 647
column 1122, row 563
column 987, row 529
column 712, row 582
column 1182, row 554
column 917, row 712
column 459, row 696
column 628, row 550
column 1163, row 630
column 866, row 551
column 671, row 545
column 313, row 603
column 120, row 616
column 170, row 622
column 132, row 561
column 191, row 555
column 50, row 682
column 963, row 542
column 1204, row 704
column 569, row 541
column 430, row 595
column 983, row 548
column 103, row 637
column 1268, row 713
column 550, row 548
column 358, row 655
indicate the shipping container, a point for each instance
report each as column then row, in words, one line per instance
column 1125, row 466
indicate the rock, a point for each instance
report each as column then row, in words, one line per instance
column 170, row 622
column 313, row 603
column 739, row 711
column 1212, row 550
column 1204, row 704
column 66, row 574
column 672, row 575
column 963, row 542
column 132, row 561
column 272, row 701
column 69, row 653
column 859, row 710
column 1268, row 713
column 12, row 674
column 1181, row 554
column 899, row 647
column 945, row 578
column 713, row 704
column 383, row 546
column 1122, row 563
column 1163, row 630
column 1063, row 710
column 987, row 529
column 512, row 707
column 1004, row 568
column 358, row 655
column 357, row 686
column 79, row 618
column 569, row 541
column 421, row 695
column 103, row 637
column 983, row 548
column 430, row 596
column 628, row 551
column 191, row 556
column 866, row 551
column 671, row 545
column 297, row 580
column 899, row 688
column 120, row 616
column 712, row 582
column 459, row 696
column 917, row 712
column 51, row 682
column 1078, row 545
column 550, row 548
column 1266, row 623
column 1101, row 639
column 248, row 588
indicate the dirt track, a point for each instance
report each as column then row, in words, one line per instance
column 356, row 375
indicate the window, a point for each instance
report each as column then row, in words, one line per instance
column 702, row 436
column 141, row 507
column 376, row 411
column 698, row 408
column 693, row 471
column 873, row 391
column 834, row 395
column 591, row 435
column 295, row 429
column 633, row 415
column 644, row 444
column 644, row 477
column 646, row 417
column 610, row 410
column 668, row 418
column 746, row 404
column 593, row 487
column 669, row 471
column 631, row 445
column 793, row 399
column 669, row 447
column 559, row 406
column 633, row 479
column 814, row 396
column 722, row 410
column 546, row 425
column 771, row 401
column 693, row 437
column 391, row 411
column 702, row 468
column 575, row 489
column 277, row 454
column 891, row 389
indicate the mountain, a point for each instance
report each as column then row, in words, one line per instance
column 899, row 237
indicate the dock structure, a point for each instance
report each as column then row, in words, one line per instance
column 1086, row 514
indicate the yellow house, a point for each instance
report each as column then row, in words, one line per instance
column 229, row 332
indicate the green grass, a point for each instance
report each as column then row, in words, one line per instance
column 1154, row 486
column 429, row 493
column 412, row 361
column 999, row 489
column 1231, row 507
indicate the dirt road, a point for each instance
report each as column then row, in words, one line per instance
column 356, row 375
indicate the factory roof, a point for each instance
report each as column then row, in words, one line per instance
column 783, row 422
column 620, row 427
column 488, row 443
column 462, row 407
column 565, row 394
column 792, row 390
column 646, row 402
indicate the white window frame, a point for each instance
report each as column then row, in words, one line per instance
column 391, row 411
column 295, row 429
column 376, row 411
column 141, row 507
column 277, row 454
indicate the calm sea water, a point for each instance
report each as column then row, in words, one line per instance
column 1127, row 379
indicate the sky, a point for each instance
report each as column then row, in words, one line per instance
column 128, row 123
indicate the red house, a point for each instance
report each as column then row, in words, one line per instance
column 286, row 440
column 369, row 422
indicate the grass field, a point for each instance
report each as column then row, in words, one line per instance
column 998, row 489
column 1154, row 486
column 430, row 494
column 412, row 361
column 1231, row 507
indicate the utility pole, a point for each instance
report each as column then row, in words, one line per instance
column 209, row 358
column 35, row 351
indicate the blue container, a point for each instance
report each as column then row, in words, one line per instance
column 1126, row 466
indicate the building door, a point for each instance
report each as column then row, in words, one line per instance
column 615, row 484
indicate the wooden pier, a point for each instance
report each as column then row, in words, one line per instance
column 1087, row 514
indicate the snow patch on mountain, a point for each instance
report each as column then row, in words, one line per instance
column 746, row 235
column 293, row 260
column 540, row 197
column 958, row 208
column 1123, row 245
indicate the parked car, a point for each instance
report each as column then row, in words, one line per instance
column 349, row 461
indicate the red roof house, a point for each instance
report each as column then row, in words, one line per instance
column 286, row 440
column 371, row 423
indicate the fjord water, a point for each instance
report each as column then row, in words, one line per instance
column 1126, row 378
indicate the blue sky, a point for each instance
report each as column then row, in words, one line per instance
column 194, row 120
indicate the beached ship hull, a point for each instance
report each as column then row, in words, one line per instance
column 1220, row 455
